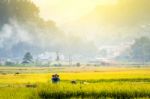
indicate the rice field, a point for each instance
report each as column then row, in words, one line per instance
column 92, row 83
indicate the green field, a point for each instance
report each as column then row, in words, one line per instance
column 92, row 82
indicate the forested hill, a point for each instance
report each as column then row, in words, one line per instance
column 21, row 11
column 23, row 30
column 21, row 26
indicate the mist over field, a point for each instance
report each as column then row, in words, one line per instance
column 106, row 30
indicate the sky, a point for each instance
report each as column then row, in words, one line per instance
column 63, row 11
column 106, row 23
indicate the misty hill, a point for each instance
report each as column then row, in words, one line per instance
column 23, row 30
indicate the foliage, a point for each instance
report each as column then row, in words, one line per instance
column 24, row 11
column 9, row 63
column 140, row 49
column 138, row 52
column 27, row 58
column 21, row 10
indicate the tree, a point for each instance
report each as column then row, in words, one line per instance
column 23, row 11
column 140, row 50
column 9, row 63
column 27, row 58
column 20, row 10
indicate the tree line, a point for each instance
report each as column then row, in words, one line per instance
column 138, row 52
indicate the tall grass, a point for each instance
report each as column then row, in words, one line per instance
column 98, row 90
column 66, row 90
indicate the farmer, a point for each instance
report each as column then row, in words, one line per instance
column 55, row 78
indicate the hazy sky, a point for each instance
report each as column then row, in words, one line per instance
column 104, row 22
column 97, row 18
column 62, row 11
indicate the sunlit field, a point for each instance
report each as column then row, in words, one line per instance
column 92, row 82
